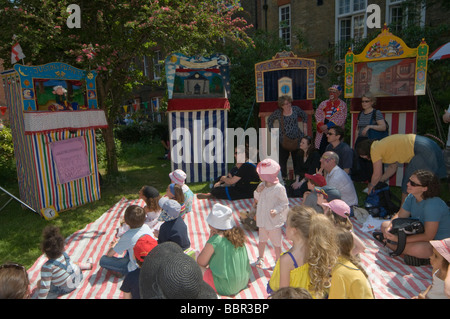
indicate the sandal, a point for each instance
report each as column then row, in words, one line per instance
column 379, row 237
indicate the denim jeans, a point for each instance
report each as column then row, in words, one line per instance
column 118, row 264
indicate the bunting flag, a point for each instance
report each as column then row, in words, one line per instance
column 16, row 53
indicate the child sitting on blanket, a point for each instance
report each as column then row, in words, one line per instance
column 348, row 279
column 313, row 253
column 59, row 275
column 130, row 285
column 175, row 192
column 178, row 177
column 440, row 260
column 224, row 260
column 339, row 212
column 135, row 218
column 150, row 196
column 271, row 209
column 173, row 227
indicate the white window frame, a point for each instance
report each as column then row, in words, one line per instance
column 349, row 14
column 157, row 65
column 288, row 27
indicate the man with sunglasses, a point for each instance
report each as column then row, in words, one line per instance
column 417, row 151
column 335, row 138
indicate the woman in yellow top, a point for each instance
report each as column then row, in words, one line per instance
column 348, row 279
column 313, row 254
column 417, row 151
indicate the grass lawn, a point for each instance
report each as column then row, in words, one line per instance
column 139, row 165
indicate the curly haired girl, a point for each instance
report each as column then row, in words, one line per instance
column 313, row 254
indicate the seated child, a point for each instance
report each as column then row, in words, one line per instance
column 349, row 280
column 59, row 275
column 135, row 218
column 339, row 212
column 150, row 196
column 179, row 177
column 320, row 195
column 130, row 285
column 175, row 191
column 224, row 258
column 173, row 229
column 439, row 260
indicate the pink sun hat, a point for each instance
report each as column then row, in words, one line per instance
column 339, row 207
column 443, row 247
column 178, row 177
column 268, row 170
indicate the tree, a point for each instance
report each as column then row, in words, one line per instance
column 112, row 33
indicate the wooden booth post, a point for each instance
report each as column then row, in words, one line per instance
column 198, row 91
column 395, row 74
column 285, row 74
column 53, row 113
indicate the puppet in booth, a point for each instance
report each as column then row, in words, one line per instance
column 61, row 99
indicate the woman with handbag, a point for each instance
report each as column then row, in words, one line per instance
column 424, row 205
column 371, row 125
column 290, row 134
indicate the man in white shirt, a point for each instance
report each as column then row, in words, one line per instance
column 338, row 178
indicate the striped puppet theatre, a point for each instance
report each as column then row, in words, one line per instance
column 53, row 113
column 198, row 91
column 395, row 74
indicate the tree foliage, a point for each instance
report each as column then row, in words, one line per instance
column 114, row 32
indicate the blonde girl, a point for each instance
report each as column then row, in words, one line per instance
column 349, row 280
column 313, row 253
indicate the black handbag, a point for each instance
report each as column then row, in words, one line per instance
column 403, row 227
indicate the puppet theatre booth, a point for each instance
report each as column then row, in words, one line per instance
column 395, row 74
column 285, row 74
column 53, row 113
column 198, row 91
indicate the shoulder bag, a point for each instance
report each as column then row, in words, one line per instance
column 289, row 144
column 403, row 227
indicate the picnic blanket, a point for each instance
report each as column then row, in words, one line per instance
column 389, row 277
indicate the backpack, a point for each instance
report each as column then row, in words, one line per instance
column 381, row 202
column 374, row 134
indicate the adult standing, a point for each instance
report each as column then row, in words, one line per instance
column 418, row 151
column 370, row 125
column 287, row 116
column 422, row 203
column 329, row 113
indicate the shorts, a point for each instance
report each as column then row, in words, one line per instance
column 274, row 235
column 427, row 155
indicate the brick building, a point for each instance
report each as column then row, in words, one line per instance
column 324, row 29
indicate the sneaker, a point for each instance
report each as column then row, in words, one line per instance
column 259, row 262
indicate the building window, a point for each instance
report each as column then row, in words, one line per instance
column 350, row 24
column 157, row 65
column 285, row 23
column 400, row 14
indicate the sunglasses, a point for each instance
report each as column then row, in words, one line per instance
column 365, row 101
column 330, row 133
column 414, row 184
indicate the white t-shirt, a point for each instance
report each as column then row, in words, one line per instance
column 127, row 242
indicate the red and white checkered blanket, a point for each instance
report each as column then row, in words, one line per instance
column 390, row 277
